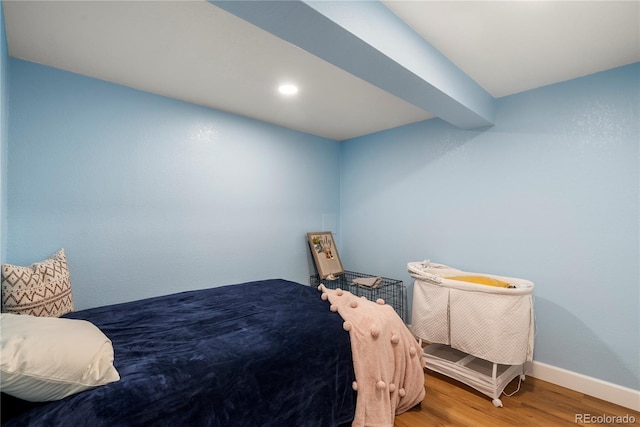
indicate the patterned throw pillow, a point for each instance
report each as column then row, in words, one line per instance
column 42, row 289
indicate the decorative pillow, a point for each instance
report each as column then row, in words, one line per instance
column 49, row 358
column 42, row 289
column 481, row 280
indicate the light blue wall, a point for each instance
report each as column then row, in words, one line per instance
column 150, row 195
column 4, row 117
column 550, row 194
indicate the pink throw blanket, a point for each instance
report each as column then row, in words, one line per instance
column 387, row 359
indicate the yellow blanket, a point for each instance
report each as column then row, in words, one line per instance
column 480, row 280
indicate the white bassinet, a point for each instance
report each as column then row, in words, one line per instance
column 469, row 320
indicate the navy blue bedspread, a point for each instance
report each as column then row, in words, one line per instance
column 266, row 353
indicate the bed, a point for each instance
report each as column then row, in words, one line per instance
column 266, row 353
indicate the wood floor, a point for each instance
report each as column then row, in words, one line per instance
column 537, row 403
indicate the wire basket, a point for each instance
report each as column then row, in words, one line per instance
column 392, row 291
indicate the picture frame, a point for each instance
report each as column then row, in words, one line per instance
column 325, row 254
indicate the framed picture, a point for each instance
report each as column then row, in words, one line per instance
column 325, row 254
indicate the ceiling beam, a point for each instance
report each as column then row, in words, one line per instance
column 369, row 41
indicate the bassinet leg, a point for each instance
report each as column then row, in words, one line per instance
column 494, row 375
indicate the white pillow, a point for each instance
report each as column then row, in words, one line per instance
column 49, row 358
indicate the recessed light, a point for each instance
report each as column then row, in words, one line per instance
column 288, row 89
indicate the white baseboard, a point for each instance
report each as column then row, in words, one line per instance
column 623, row 396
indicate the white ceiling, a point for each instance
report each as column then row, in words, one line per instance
column 194, row 51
